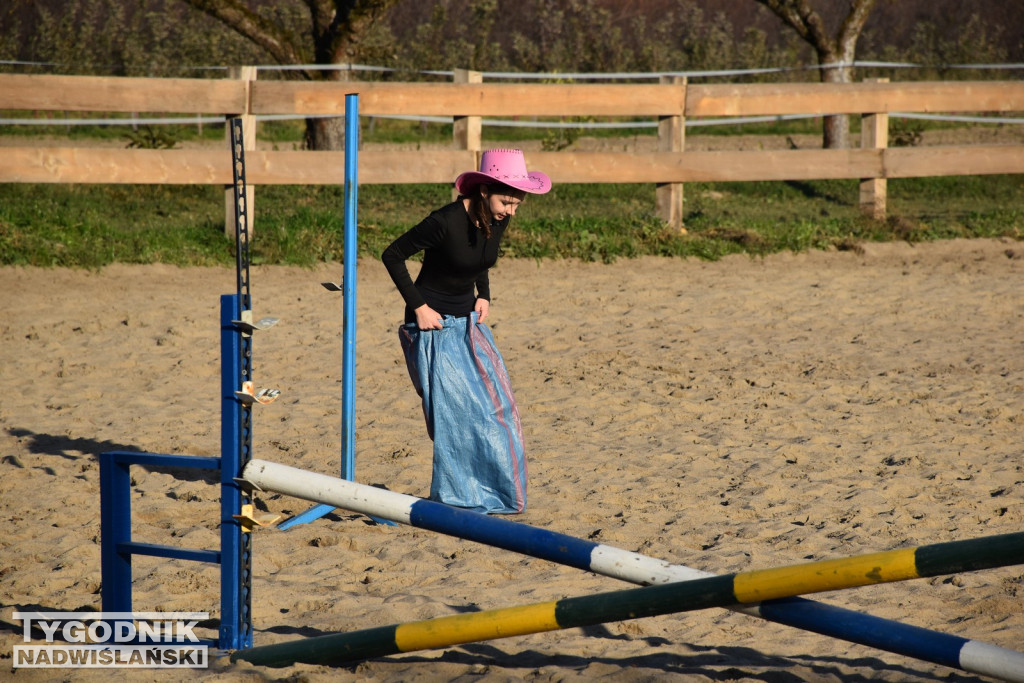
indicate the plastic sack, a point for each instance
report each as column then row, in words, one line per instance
column 471, row 415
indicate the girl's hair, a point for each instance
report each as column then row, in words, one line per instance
column 480, row 208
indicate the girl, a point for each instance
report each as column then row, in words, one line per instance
column 467, row 400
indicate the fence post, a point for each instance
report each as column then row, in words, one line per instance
column 467, row 130
column 671, row 138
column 247, row 74
column 874, row 134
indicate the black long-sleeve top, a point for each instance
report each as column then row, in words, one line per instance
column 456, row 259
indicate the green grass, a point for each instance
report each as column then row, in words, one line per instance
column 91, row 226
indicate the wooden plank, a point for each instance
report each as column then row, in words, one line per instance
column 853, row 98
column 375, row 167
column 226, row 96
column 438, row 166
column 468, row 99
column 925, row 162
column 206, row 167
column 115, row 166
column 109, row 94
column 707, row 166
column 126, row 166
column 780, row 164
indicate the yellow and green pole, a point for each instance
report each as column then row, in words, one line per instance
column 718, row 591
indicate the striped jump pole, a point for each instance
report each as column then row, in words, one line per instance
column 669, row 598
column 912, row 641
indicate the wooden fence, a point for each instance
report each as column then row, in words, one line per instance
column 670, row 102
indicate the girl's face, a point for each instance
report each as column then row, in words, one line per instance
column 502, row 203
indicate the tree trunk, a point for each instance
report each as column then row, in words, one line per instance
column 325, row 133
column 836, row 134
column 841, row 49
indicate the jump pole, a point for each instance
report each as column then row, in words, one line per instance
column 912, row 641
column 348, row 290
column 670, row 598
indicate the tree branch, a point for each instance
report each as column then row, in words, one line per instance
column 351, row 20
column 852, row 27
column 806, row 22
column 268, row 35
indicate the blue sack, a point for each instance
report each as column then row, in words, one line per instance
column 471, row 415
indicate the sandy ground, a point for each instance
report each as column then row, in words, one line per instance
column 731, row 415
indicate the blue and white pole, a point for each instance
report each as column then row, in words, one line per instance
column 892, row 636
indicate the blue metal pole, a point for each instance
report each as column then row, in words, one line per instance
column 235, row 629
column 348, row 287
column 348, row 355
column 116, row 528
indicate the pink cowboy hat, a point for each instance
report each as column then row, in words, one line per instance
column 505, row 166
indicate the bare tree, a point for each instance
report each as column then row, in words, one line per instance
column 336, row 27
column 840, row 49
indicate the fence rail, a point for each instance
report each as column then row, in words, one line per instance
column 231, row 96
column 670, row 102
column 184, row 167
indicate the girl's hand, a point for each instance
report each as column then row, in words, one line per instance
column 428, row 319
column 483, row 309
